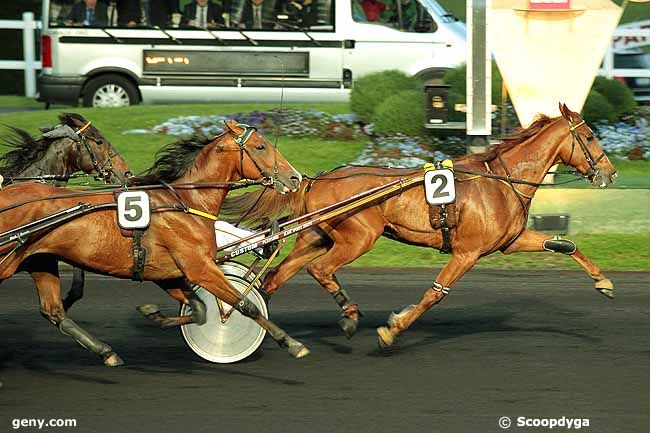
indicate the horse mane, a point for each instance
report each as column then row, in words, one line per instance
column 26, row 150
column 68, row 118
column 173, row 161
column 519, row 136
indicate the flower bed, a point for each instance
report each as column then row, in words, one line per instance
column 626, row 139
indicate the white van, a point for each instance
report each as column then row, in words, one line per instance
column 311, row 50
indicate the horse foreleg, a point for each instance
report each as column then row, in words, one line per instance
column 531, row 241
column 207, row 274
column 351, row 241
column 309, row 245
column 183, row 293
column 48, row 285
column 76, row 291
column 454, row 269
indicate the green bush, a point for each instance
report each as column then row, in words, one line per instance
column 456, row 78
column 400, row 113
column 617, row 93
column 597, row 109
column 371, row 90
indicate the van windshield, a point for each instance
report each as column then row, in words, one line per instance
column 403, row 15
column 280, row 15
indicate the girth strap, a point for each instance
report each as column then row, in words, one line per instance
column 446, row 232
column 139, row 255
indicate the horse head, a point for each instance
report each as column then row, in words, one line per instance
column 259, row 158
column 95, row 154
column 582, row 151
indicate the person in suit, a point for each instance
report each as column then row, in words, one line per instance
column 158, row 13
column 89, row 13
column 258, row 14
column 124, row 13
column 203, row 14
column 128, row 12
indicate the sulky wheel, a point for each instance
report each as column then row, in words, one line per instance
column 226, row 342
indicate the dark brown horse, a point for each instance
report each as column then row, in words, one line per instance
column 180, row 246
column 491, row 214
column 72, row 146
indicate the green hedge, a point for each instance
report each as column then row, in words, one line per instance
column 617, row 93
column 371, row 90
column 597, row 108
column 400, row 113
column 456, row 78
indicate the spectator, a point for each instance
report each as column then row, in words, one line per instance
column 89, row 13
column 123, row 13
column 306, row 12
column 158, row 13
column 252, row 15
column 373, row 9
column 128, row 13
column 203, row 14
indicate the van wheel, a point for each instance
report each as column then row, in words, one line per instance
column 110, row 91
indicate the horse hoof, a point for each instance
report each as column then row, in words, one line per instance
column 148, row 309
column 298, row 351
column 348, row 326
column 606, row 288
column 385, row 338
column 113, row 360
column 296, row 348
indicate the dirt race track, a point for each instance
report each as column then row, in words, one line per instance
column 539, row 344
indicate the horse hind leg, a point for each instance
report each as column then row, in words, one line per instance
column 46, row 277
column 76, row 291
column 531, row 241
column 183, row 293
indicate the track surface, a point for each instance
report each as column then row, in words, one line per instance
column 504, row 343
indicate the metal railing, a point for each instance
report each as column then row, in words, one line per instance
column 29, row 63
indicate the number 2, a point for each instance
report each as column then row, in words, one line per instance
column 439, row 192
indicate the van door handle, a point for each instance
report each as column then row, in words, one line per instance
column 349, row 43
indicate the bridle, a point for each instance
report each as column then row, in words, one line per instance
column 593, row 162
column 241, row 139
column 104, row 170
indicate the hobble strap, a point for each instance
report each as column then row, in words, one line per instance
column 440, row 288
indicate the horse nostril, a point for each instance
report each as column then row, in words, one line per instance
column 128, row 174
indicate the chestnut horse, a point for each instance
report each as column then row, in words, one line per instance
column 491, row 214
column 180, row 246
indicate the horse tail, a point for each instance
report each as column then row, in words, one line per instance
column 257, row 207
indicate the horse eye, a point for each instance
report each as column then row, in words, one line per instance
column 260, row 147
column 590, row 138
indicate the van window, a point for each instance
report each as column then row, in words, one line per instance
column 274, row 15
column 407, row 16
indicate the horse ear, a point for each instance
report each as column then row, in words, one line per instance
column 231, row 124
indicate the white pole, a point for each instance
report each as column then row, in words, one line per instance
column 28, row 54
column 608, row 62
column 479, row 68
